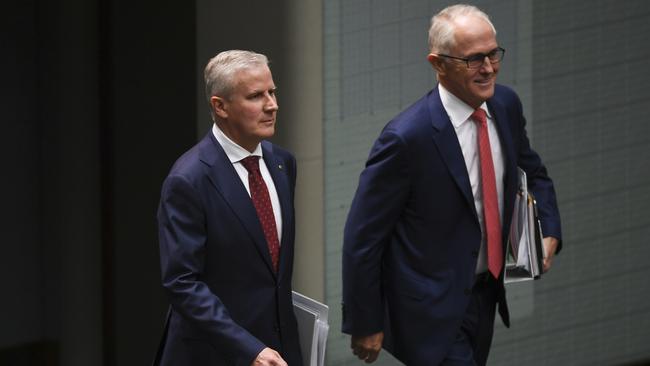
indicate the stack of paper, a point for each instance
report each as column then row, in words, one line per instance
column 524, row 254
column 312, row 328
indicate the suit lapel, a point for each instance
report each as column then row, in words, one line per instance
column 224, row 177
column 446, row 140
column 278, row 171
column 507, row 145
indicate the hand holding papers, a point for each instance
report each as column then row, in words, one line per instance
column 312, row 328
column 524, row 254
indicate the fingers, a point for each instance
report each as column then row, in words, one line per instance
column 550, row 246
column 367, row 348
column 372, row 356
column 547, row 263
column 269, row 357
column 366, row 355
column 279, row 362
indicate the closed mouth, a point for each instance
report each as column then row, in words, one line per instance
column 484, row 81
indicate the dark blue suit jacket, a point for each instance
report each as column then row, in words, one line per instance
column 227, row 303
column 412, row 237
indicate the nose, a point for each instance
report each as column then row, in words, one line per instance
column 271, row 104
column 487, row 66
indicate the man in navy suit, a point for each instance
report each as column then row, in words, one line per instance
column 425, row 237
column 226, row 230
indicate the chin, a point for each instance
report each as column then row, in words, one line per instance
column 267, row 132
column 484, row 95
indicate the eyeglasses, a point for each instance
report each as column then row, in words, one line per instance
column 476, row 61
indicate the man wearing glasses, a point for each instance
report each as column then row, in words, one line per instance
column 424, row 243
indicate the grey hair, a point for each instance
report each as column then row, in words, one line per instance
column 441, row 33
column 220, row 71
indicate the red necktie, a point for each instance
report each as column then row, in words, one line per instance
column 262, row 203
column 490, row 198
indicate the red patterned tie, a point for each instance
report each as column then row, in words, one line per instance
column 490, row 200
column 262, row 203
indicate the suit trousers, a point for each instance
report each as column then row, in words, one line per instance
column 472, row 344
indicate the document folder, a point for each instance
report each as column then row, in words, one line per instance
column 524, row 252
column 312, row 328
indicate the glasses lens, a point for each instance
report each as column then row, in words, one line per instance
column 477, row 61
column 496, row 55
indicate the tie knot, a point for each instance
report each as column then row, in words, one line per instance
column 479, row 116
column 251, row 164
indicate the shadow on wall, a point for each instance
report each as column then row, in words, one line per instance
column 44, row 353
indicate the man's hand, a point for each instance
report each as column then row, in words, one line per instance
column 550, row 246
column 367, row 348
column 268, row 357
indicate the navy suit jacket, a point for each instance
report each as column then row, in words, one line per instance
column 227, row 303
column 412, row 236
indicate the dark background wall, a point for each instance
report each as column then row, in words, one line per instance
column 147, row 67
column 97, row 100
column 50, row 225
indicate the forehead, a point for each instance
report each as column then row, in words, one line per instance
column 253, row 78
column 473, row 35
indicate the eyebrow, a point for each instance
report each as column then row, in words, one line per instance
column 257, row 91
column 482, row 54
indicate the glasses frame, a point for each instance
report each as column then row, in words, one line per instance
column 479, row 57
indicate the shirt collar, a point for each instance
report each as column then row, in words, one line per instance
column 234, row 152
column 457, row 110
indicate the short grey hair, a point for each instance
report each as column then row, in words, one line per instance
column 441, row 33
column 219, row 73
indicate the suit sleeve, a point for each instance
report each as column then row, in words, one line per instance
column 377, row 205
column 539, row 183
column 182, row 237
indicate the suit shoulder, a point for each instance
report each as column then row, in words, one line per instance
column 283, row 157
column 505, row 94
column 411, row 125
column 280, row 151
column 410, row 122
column 193, row 161
column 188, row 164
column 504, row 90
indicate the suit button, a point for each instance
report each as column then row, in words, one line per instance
column 276, row 329
column 475, row 253
column 468, row 291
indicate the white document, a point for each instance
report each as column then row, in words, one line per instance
column 524, row 251
column 313, row 328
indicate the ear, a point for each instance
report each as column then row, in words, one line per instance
column 437, row 62
column 219, row 106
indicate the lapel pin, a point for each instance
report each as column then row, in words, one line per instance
column 280, row 166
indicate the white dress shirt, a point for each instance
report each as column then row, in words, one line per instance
column 236, row 154
column 466, row 130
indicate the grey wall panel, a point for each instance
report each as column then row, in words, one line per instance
column 579, row 68
column 593, row 308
